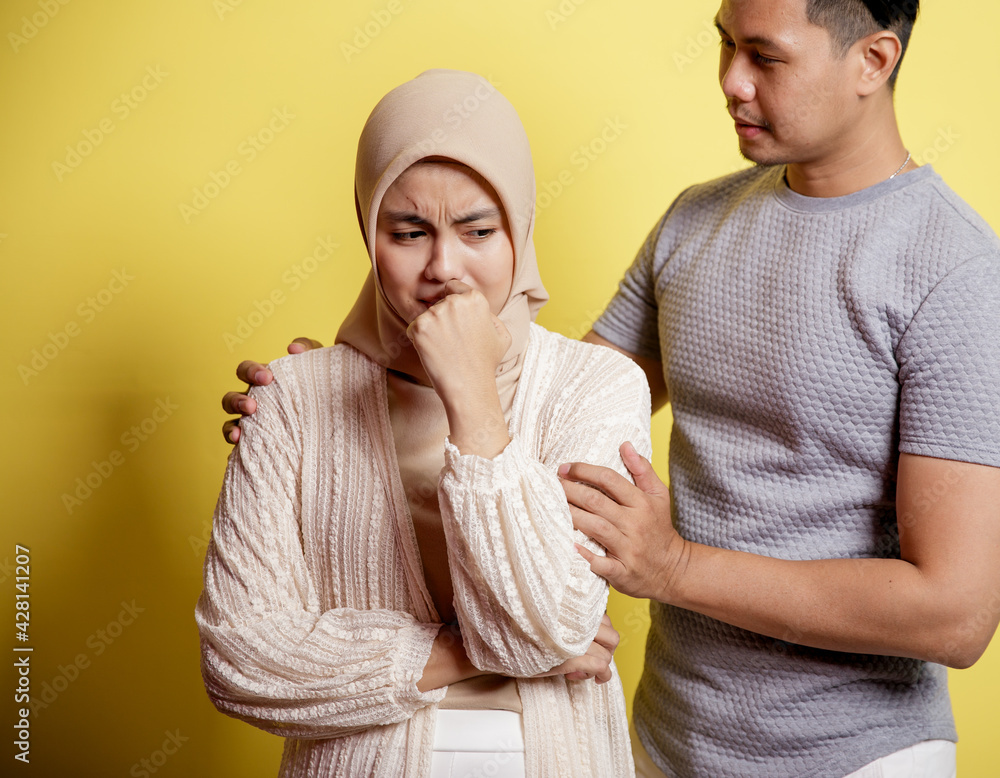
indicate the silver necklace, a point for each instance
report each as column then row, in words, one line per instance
column 905, row 163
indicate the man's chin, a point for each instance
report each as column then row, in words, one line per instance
column 760, row 157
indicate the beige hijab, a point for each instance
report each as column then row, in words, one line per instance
column 460, row 116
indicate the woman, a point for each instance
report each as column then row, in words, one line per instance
column 392, row 544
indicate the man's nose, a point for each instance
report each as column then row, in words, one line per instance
column 736, row 82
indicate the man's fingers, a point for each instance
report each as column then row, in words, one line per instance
column 596, row 527
column 253, row 373
column 231, row 431
column 587, row 554
column 589, row 499
column 239, row 402
column 642, row 471
column 603, row 479
column 607, row 567
column 301, row 345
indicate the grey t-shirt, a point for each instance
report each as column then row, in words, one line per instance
column 805, row 342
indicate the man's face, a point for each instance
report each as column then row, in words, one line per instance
column 790, row 93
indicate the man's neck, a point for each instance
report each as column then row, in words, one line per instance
column 871, row 155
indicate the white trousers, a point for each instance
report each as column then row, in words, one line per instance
column 929, row 759
column 478, row 744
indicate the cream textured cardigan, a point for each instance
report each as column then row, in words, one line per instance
column 315, row 619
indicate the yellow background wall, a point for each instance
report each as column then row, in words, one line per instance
column 124, row 314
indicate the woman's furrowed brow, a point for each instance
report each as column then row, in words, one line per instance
column 484, row 214
column 403, row 216
column 410, row 217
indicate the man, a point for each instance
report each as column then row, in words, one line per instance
column 826, row 328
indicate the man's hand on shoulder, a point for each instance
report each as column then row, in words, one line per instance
column 254, row 374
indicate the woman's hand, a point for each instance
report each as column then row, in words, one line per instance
column 596, row 663
column 460, row 343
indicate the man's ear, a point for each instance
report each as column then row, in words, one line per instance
column 878, row 54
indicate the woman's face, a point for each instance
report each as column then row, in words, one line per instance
column 441, row 221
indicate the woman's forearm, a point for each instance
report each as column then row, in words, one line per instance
column 475, row 421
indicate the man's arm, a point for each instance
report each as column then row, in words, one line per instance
column 653, row 369
column 939, row 602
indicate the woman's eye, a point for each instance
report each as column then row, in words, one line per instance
column 408, row 235
column 483, row 233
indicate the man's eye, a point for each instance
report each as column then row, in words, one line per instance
column 726, row 43
column 764, row 60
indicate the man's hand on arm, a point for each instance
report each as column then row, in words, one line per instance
column 644, row 551
column 939, row 602
column 254, row 374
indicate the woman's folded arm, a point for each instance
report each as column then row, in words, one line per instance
column 271, row 655
column 525, row 598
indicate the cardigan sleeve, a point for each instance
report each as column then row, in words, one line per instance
column 526, row 599
column 271, row 655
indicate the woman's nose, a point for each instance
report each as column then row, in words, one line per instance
column 442, row 263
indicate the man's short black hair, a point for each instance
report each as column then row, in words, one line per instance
column 848, row 21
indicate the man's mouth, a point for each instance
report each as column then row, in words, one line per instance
column 747, row 128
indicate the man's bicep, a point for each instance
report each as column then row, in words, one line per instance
column 653, row 368
column 948, row 514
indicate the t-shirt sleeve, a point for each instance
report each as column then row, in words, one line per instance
column 949, row 360
column 630, row 321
